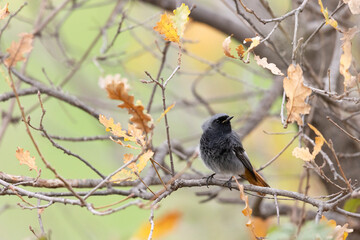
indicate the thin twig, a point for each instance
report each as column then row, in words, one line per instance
column 343, row 130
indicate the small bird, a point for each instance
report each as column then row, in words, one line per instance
column 222, row 151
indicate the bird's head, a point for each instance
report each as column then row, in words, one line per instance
column 219, row 122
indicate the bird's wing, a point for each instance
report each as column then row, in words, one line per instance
column 243, row 157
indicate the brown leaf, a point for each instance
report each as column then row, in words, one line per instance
column 226, row 47
column 296, row 93
column 117, row 89
column 354, row 6
column 346, row 57
column 240, row 51
column 271, row 66
column 17, row 49
column 25, row 158
column 4, row 12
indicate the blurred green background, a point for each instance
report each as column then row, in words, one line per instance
column 131, row 58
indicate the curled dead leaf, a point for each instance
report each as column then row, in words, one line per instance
column 271, row 66
column 296, row 92
column 226, row 47
column 346, row 57
column 18, row 49
column 117, row 89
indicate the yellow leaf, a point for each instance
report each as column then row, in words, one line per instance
column 165, row 112
column 354, row 6
column 339, row 232
column 302, row 153
column 271, row 66
column 17, row 49
column 319, row 140
column 4, row 12
column 346, row 57
column 117, row 89
column 255, row 41
column 296, row 93
column 25, row 158
column 166, row 27
column 143, row 160
column 226, row 47
column 180, row 18
column 328, row 20
column 162, row 226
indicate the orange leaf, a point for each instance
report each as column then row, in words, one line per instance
column 17, row 49
column 226, row 47
column 117, row 89
column 4, row 12
column 261, row 227
column 240, row 51
column 346, row 57
column 262, row 62
column 163, row 226
column 173, row 26
column 25, row 158
column 296, row 93
column 165, row 27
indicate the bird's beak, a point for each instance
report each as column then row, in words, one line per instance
column 228, row 119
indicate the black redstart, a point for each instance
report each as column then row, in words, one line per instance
column 222, row 151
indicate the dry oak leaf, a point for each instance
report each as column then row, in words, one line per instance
column 117, row 89
column 25, row 158
column 17, row 49
column 328, row 20
column 296, row 93
column 354, row 6
column 163, row 226
column 134, row 169
column 133, row 134
column 226, row 47
column 346, row 57
column 304, row 153
column 173, row 26
column 4, row 12
column 271, row 66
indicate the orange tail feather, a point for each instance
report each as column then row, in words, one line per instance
column 258, row 180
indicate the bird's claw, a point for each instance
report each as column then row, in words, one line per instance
column 209, row 178
column 228, row 184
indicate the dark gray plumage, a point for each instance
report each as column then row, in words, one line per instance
column 222, row 151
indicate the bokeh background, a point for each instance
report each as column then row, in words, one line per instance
column 135, row 51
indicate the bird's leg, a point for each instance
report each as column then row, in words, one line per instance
column 209, row 178
column 228, row 183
